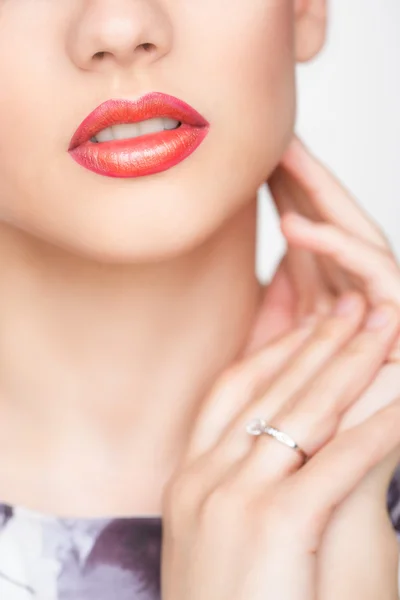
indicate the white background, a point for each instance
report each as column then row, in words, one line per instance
column 349, row 116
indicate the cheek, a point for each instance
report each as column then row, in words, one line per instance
column 25, row 103
column 243, row 58
column 24, row 144
column 230, row 59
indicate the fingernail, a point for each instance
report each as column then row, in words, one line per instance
column 346, row 305
column 380, row 318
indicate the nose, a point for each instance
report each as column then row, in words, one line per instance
column 109, row 33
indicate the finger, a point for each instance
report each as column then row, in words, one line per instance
column 200, row 463
column 231, row 443
column 378, row 269
column 289, row 196
column 383, row 391
column 333, row 473
column 330, row 334
column 308, row 280
column 315, row 416
column 235, row 401
column 236, row 388
column 333, row 202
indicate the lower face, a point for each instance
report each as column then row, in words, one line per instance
column 231, row 61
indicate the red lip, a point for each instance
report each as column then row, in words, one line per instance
column 143, row 155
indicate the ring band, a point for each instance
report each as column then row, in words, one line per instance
column 259, row 426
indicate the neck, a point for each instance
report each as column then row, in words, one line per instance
column 113, row 351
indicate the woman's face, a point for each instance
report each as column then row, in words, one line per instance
column 231, row 60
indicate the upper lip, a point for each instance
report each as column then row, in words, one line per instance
column 149, row 106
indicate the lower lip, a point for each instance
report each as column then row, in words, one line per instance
column 144, row 155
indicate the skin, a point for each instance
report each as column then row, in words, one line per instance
column 333, row 248
column 130, row 262
column 245, row 519
column 157, row 272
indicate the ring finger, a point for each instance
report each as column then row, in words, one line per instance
column 232, row 444
column 314, row 418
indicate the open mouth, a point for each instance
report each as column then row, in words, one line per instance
column 130, row 131
column 134, row 138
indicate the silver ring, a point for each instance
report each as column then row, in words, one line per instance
column 259, row 426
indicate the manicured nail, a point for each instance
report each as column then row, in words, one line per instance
column 380, row 318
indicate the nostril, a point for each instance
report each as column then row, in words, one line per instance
column 147, row 47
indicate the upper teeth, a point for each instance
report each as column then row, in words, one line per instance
column 133, row 130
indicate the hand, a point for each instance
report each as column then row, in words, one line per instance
column 337, row 248
column 243, row 518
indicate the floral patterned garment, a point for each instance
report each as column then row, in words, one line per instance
column 49, row 558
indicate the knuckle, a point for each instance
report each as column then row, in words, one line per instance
column 227, row 504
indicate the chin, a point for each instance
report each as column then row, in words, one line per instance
column 136, row 221
column 149, row 231
column 144, row 219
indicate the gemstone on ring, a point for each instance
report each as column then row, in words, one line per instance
column 259, row 426
column 256, row 426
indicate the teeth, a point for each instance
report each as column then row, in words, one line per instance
column 151, row 126
column 134, row 130
column 170, row 123
column 123, row 132
column 105, row 136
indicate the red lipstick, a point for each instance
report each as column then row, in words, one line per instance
column 143, row 155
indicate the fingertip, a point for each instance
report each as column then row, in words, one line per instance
column 294, row 150
column 293, row 223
